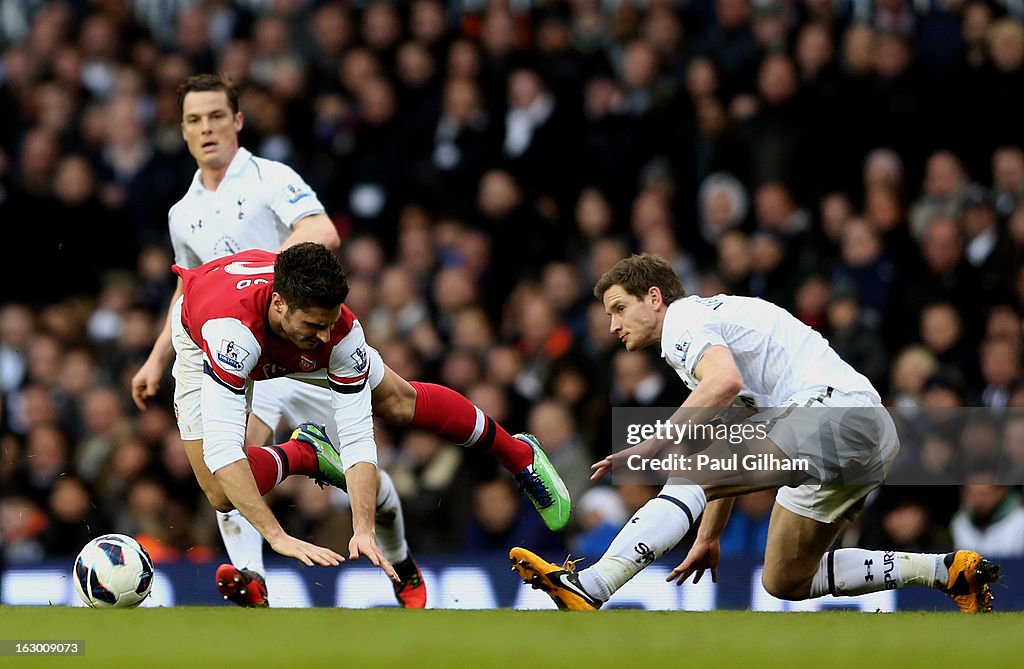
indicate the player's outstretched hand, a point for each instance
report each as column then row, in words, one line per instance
column 703, row 555
column 366, row 544
column 146, row 382
column 619, row 459
column 305, row 552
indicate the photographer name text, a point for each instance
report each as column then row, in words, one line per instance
column 760, row 462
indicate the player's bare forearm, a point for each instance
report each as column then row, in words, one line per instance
column 146, row 381
column 704, row 403
column 716, row 516
column 719, row 384
column 240, row 487
column 314, row 228
column 361, row 480
column 163, row 351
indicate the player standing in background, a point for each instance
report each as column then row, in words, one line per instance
column 729, row 348
column 238, row 201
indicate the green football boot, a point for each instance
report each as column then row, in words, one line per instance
column 544, row 486
column 328, row 459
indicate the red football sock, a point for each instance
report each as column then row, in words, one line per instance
column 272, row 464
column 452, row 417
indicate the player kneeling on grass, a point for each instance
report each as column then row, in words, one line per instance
column 730, row 348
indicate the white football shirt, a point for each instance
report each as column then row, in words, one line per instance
column 255, row 207
column 778, row 355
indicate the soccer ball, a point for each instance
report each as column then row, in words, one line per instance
column 113, row 570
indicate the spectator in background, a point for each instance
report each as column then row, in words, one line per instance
column 810, row 301
column 600, row 513
column 499, row 520
column 544, row 341
column 944, row 184
column 561, row 284
column 905, row 522
column 1000, row 370
column 911, row 369
column 723, row 205
column 854, row 341
column 867, row 269
column 106, row 425
column 135, row 179
column 776, row 212
column 942, row 332
column 777, row 131
column 946, row 388
column 986, row 247
column 73, row 519
column 991, row 517
column 22, row 524
column 638, row 383
column 1011, row 462
column 400, row 309
column 16, row 329
column 947, row 277
column 553, row 424
column 426, row 475
column 1004, row 322
column 771, row 277
column 883, row 168
column 46, row 458
column 461, row 144
column 735, row 263
column 533, row 141
column 1008, row 178
column 884, row 211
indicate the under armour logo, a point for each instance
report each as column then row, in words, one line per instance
column 241, row 214
column 867, row 567
column 197, row 226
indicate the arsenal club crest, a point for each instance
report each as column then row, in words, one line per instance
column 306, row 364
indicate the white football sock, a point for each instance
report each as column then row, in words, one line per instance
column 390, row 523
column 652, row 531
column 855, row 571
column 243, row 541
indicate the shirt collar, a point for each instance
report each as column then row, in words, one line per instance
column 242, row 156
column 239, row 161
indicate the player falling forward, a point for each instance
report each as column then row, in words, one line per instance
column 725, row 348
column 254, row 316
column 238, row 201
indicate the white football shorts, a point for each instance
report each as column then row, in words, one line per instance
column 294, row 401
column 862, row 440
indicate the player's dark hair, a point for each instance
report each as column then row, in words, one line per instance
column 308, row 275
column 639, row 273
column 202, row 83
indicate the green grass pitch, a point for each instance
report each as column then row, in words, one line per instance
column 186, row 637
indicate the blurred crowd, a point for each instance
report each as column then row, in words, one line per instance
column 858, row 163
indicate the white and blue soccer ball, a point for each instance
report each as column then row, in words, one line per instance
column 113, row 570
